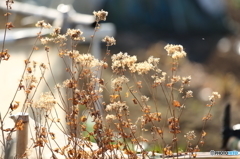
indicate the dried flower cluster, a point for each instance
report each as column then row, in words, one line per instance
column 122, row 61
column 175, row 51
column 4, row 55
column 190, row 135
column 214, row 96
column 43, row 24
column 100, row 15
column 46, row 101
column 99, row 108
column 75, row 34
column 109, row 40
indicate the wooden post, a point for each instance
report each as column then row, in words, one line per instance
column 22, row 121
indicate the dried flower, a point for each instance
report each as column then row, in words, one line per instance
column 117, row 83
column 56, row 31
column 42, row 65
column 186, row 80
column 4, row 55
column 31, row 79
column 143, row 67
column 9, row 4
column 100, row 15
column 175, row 51
column 87, row 60
column 46, row 101
column 158, row 80
column 9, row 25
column 45, row 40
column 175, row 79
column 109, row 40
column 117, row 106
column 174, row 126
column 144, row 98
column 69, row 83
column 58, row 85
column 60, row 38
column 42, row 24
column 190, row 135
column 189, row 94
column 110, row 117
column 75, row 34
column 122, row 60
column 153, row 61
column 176, row 103
column 214, row 96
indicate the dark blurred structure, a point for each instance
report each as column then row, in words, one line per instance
column 231, row 136
column 196, row 24
column 81, row 6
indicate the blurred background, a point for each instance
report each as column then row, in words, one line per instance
column 207, row 29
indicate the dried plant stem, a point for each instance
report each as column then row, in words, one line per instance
column 92, row 37
column 55, row 83
column 6, row 27
column 3, row 136
column 24, row 70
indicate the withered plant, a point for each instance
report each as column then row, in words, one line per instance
column 97, row 107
